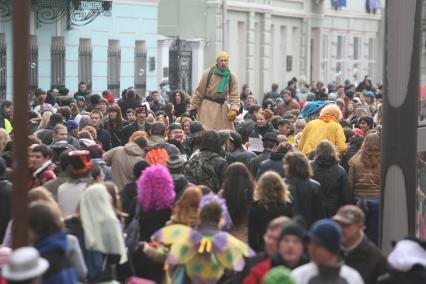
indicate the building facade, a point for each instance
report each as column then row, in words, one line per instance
column 271, row 41
column 115, row 50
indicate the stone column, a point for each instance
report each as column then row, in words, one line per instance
column 163, row 57
column 197, row 47
column 250, row 48
column 265, row 50
column 305, row 50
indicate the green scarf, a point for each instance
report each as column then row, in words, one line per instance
column 224, row 81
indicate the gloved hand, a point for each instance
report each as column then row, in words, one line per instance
column 193, row 114
column 232, row 115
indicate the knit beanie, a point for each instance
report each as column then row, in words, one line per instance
column 279, row 275
column 292, row 228
column 327, row 233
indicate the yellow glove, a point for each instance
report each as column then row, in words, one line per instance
column 232, row 115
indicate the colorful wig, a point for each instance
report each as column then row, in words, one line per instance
column 225, row 214
column 155, row 189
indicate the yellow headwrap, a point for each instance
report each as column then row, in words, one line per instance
column 222, row 54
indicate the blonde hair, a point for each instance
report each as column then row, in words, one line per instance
column 44, row 119
column 333, row 110
column 271, row 189
column 92, row 131
column 186, row 211
column 4, row 139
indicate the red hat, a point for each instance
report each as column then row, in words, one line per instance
column 80, row 162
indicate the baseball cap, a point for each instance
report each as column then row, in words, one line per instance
column 349, row 214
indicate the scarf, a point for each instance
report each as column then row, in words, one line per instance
column 224, row 81
column 328, row 118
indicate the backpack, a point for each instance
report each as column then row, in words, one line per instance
column 200, row 170
column 132, row 232
column 157, row 156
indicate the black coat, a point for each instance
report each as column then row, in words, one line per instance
column 344, row 162
column 129, row 129
column 307, row 199
column 5, row 203
column 416, row 275
column 274, row 163
column 246, row 127
column 255, row 162
column 240, row 155
column 368, row 260
column 259, row 218
column 180, row 183
column 334, row 184
column 104, row 137
column 259, row 132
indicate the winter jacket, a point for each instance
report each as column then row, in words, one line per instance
column 318, row 130
column 416, row 275
column 368, row 260
column 249, row 264
column 344, row 161
column 313, row 274
column 363, row 181
column 259, row 218
column 258, row 272
column 127, row 195
column 240, row 155
column 259, row 132
column 246, row 127
column 180, row 183
column 103, row 136
column 129, row 129
column 122, row 160
column 255, row 162
column 307, row 199
column 54, row 249
column 334, row 183
column 5, row 204
column 274, row 163
column 159, row 141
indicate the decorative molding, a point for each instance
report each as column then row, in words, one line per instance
column 138, row 2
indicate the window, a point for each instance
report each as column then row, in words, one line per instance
column 58, row 62
column 140, row 67
column 2, row 67
column 114, row 64
column 324, row 59
column 372, row 57
column 356, row 59
column 85, row 62
column 340, row 58
column 33, row 73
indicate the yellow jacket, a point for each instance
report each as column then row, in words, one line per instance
column 317, row 130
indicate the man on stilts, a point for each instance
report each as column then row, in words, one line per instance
column 216, row 101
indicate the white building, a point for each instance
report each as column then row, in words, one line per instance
column 270, row 41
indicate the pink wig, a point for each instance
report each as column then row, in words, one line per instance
column 156, row 189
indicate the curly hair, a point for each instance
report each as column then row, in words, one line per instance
column 369, row 154
column 271, row 189
column 267, row 114
column 186, row 211
column 155, row 189
column 238, row 187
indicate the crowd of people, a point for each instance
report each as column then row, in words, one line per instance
column 173, row 188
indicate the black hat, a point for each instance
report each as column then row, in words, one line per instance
column 270, row 137
column 292, row 228
column 196, row 127
column 175, row 126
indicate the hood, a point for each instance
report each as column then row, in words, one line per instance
column 325, row 161
column 155, row 140
column 43, row 167
column 55, row 242
column 133, row 149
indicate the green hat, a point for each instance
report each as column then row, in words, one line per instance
column 279, row 275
